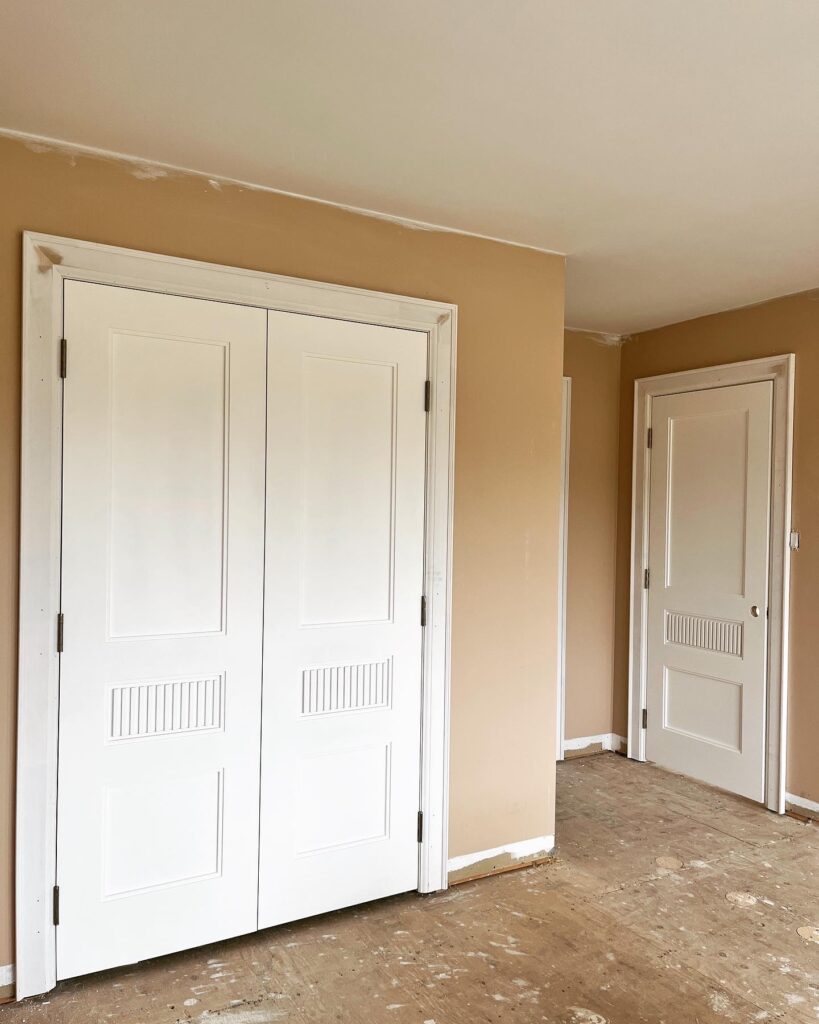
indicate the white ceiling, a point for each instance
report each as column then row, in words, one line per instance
column 669, row 147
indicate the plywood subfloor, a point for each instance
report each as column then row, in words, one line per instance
column 667, row 902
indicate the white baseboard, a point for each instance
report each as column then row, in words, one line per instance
column 606, row 740
column 6, row 975
column 517, row 851
column 803, row 802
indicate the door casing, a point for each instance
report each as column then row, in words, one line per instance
column 48, row 261
column 563, row 556
column 780, row 370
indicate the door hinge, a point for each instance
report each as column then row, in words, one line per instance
column 645, row 718
column 646, row 579
column 427, row 395
column 60, row 627
column 423, row 611
column 55, row 904
column 420, row 826
column 63, row 357
column 650, row 438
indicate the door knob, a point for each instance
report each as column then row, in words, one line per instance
column 755, row 610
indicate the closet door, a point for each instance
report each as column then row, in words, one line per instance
column 343, row 637
column 160, row 678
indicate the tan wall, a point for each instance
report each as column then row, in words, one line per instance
column 510, row 352
column 784, row 325
column 594, row 368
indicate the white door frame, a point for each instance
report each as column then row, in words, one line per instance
column 49, row 261
column 780, row 370
column 563, row 557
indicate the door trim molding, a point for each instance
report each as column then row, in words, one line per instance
column 780, row 370
column 563, row 576
column 47, row 262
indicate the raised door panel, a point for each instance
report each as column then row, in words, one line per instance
column 707, row 495
column 347, row 495
column 168, row 445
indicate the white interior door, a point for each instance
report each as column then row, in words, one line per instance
column 343, row 635
column 162, row 583
column 708, row 585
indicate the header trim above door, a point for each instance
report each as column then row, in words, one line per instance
column 48, row 261
column 780, row 370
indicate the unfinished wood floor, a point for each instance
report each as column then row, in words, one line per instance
column 667, row 902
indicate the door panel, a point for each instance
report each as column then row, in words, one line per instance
column 343, row 637
column 708, row 558
column 168, row 418
column 160, row 686
column 348, row 464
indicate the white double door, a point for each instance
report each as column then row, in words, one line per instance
column 240, row 681
column 709, row 524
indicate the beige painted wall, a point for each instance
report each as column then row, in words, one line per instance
column 510, row 353
column 785, row 325
column 594, row 368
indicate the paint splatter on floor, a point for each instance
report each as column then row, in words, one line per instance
column 667, row 902
column 741, row 899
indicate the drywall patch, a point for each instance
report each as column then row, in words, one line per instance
column 149, row 170
column 500, row 858
column 143, row 170
column 606, row 338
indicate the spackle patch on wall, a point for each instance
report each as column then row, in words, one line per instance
column 149, row 172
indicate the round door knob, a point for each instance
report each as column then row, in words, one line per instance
column 755, row 610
